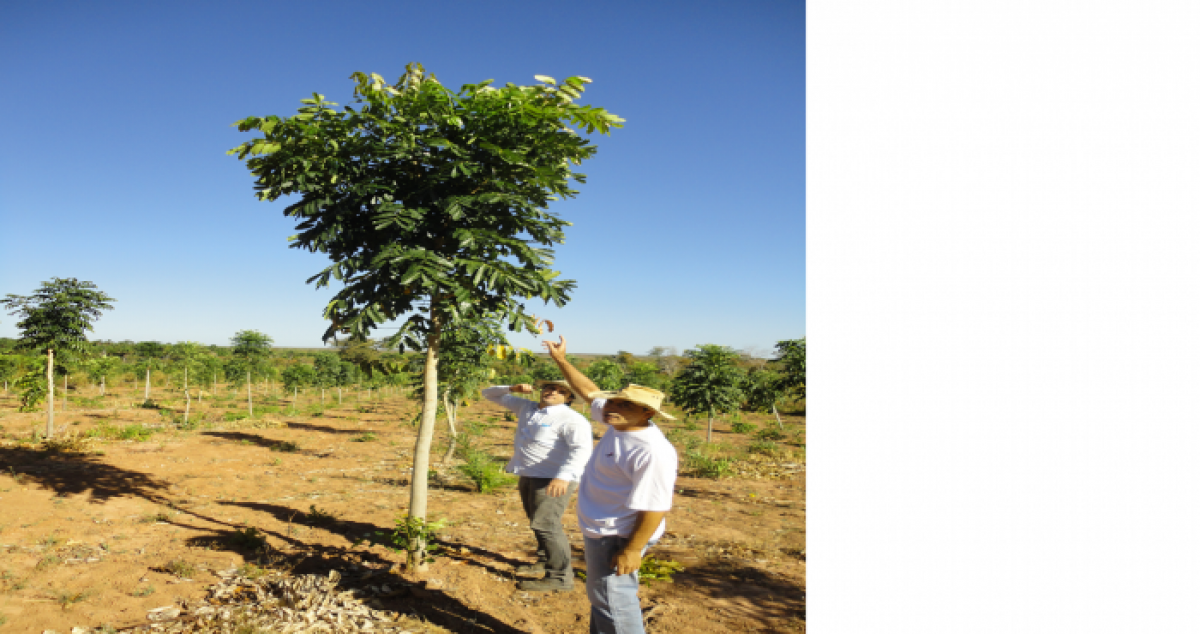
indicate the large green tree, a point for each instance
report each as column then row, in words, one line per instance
column 56, row 318
column 709, row 383
column 432, row 205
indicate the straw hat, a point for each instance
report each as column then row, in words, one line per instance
column 644, row 396
column 539, row 385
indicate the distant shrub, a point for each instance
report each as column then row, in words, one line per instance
column 769, row 433
column 764, row 447
column 743, row 428
column 707, row 467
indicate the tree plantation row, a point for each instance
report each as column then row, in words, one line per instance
column 186, row 370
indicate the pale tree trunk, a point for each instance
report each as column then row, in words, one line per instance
column 295, row 395
column 419, row 495
column 187, row 408
column 250, row 395
column 102, row 385
column 339, row 396
column 50, row 400
column 710, row 421
column 451, row 414
column 322, row 397
column 777, row 419
column 185, row 385
column 147, row 396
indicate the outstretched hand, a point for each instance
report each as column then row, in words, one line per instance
column 558, row 351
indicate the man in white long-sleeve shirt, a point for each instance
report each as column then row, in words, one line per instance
column 550, row 450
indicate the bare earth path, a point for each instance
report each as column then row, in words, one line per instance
column 99, row 538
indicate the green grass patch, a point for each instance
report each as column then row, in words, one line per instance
column 482, row 469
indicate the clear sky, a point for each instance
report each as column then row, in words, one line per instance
column 690, row 230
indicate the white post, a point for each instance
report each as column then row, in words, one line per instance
column 50, row 401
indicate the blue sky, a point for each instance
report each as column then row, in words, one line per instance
column 690, row 230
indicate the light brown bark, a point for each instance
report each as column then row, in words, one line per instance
column 451, row 415
column 419, row 493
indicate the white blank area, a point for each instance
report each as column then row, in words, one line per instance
column 1004, row 240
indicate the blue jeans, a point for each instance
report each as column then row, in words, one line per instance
column 614, row 597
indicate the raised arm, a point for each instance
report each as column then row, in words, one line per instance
column 582, row 385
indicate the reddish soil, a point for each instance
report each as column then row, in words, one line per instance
column 90, row 538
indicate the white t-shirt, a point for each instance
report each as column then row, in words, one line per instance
column 629, row 471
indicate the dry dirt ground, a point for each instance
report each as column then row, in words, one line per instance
column 99, row 538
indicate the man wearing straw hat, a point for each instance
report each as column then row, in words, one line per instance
column 624, row 495
column 551, row 447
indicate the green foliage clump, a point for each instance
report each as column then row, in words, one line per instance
column 248, row 538
column 740, row 427
column 180, row 568
column 32, row 386
column 658, row 570
column 707, row 466
column 414, row 532
column 763, row 447
column 792, row 358
column 482, row 469
column 606, row 374
column 769, row 433
column 285, row 446
column 367, row 437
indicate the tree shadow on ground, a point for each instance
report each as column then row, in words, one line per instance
column 261, row 441
column 78, row 473
column 329, row 430
column 745, row 593
column 355, row 564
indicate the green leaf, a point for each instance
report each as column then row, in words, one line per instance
column 545, row 79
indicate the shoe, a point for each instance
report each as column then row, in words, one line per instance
column 545, row 584
column 529, row 569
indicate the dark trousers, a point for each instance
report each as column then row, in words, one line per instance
column 545, row 519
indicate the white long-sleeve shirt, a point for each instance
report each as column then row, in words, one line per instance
column 551, row 442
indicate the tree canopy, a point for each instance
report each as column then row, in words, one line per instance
column 422, row 195
column 58, row 315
